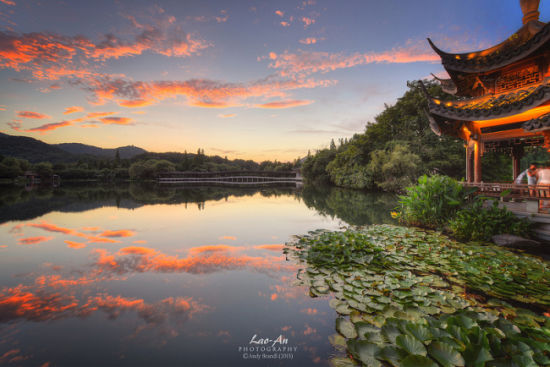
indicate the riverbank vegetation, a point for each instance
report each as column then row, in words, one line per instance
column 398, row 147
column 411, row 297
column 440, row 202
column 141, row 167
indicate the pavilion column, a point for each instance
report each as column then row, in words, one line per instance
column 477, row 162
column 469, row 166
column 517, row 154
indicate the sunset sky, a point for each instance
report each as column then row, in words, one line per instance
column 247, row 79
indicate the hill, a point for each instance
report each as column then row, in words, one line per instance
column 35, row 150
column 32, row 150
column 126, row 152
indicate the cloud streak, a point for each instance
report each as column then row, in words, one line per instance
column 32, row 115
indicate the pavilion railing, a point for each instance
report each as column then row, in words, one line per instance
column 514, row 191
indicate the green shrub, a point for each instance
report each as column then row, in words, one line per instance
column 476, row 223
column 433, row 201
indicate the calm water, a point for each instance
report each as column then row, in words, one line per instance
column 150, row 276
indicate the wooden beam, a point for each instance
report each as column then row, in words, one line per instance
column 477, row 162
column 469, row 166
column 517, row 154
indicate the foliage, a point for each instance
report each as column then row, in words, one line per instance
column 479, row 223
column 314, row 168
column 150, row 169
column 360, row 162
column 403, row 296
column 394, row 168
column 433, row 201
column 12, row 167
column 43, row 169
column 346, row 170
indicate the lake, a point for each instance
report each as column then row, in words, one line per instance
column 142, row 275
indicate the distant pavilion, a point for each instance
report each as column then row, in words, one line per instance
column 504, row 95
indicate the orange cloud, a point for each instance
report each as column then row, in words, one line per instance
column 73, row 109
column 285, row 104
column 213, row 248
column 310, row 311
column 23, row 303
column 305, row 63
column 91, row 238
column 51, row 227
column 93, row 115
column 274, row 296
column 116, row 120
column 227, row 115
column 52, row 56
column 273, row 247
column 8, row 2
column 33, row 240
column 309, row 41
column 49, row 127
column 309, row 330
column 201, row 260
column 279, row 13
column 32, row 115
column 199, row 92
column 141, row 242
column 75, row 245
column 285, row 24
column 307, row 21
column 137, row 250
column 231, row 238
column 118, row 233
column 134, row 103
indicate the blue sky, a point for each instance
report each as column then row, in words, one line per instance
column 247, row 79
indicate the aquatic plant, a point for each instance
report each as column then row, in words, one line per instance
column 479, row 223
column 433, row 201
column 407, row 297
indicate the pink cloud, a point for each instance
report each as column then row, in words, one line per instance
column 227, row 115
column 285, row 24
column 33, row 240
column 305, row 63
column 73, row 109
column 307, row 21
column 116, row 120
column 199, row 92
column 8, row 2
column 285, row 104
column 32, row 115
column 49, row 127
column 309, row 41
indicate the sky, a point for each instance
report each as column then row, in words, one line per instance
column 244, row 79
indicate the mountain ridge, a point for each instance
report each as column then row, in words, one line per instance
column 35, row 150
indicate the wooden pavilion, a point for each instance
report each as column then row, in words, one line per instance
column 503, row 95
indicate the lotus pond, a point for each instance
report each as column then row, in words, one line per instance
column 408, row 297
column 136, row 275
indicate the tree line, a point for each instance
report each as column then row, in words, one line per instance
column 398, row 147
column 143, row 166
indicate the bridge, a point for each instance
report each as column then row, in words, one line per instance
column 231, row 177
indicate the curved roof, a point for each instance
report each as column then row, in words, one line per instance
column 540, row 123
column 486, row 108
column 521, row 44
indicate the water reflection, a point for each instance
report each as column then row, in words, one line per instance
column 154, row 276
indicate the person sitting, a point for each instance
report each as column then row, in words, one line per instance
column 532, row 178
